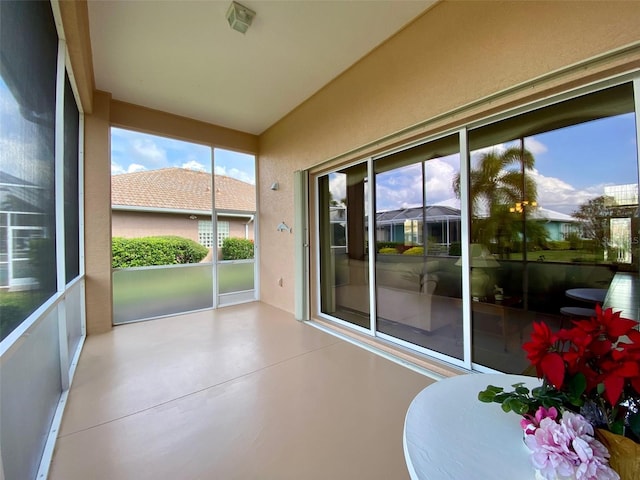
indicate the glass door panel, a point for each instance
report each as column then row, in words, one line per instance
column 232, row 237
column 235, row 257
column 344, row 259
column 554, row 206
column 417, row 231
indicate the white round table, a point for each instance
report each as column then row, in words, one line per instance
column 591, row 295
column 451, row 435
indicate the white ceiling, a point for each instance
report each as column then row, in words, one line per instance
column 182, row 57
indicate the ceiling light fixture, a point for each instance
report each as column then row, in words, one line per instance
column 240, row 17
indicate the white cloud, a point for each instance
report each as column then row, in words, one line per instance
column 117, row 169
column 556, row 194
column 194, row 165
column 135, row 167
column 534, row 146
column 147, row 150
column 440, row 175
column 338, row 186
column 235, row 173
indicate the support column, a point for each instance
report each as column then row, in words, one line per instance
column 97, row 209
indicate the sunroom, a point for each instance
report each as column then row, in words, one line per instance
column 400, row 197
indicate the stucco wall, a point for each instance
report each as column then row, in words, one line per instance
column 97, row 224
column 455, row 54
column 139, row 224
column 144, row 224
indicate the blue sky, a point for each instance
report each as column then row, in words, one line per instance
column 572, row 165
column 133, row 152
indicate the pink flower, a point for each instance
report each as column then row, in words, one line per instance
column 567, row 450
column 529, row 423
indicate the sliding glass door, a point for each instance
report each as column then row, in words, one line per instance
column 546, row 201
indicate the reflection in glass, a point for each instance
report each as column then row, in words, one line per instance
column 344, row 259
column 553, row 218
column 28, row 52
column 418, row 224
column 71, row 190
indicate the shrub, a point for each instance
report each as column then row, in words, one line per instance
column 414, row 251
column 237, row 249
column 455, row 249
column 388, row 250
column 15, row 307
column 395, row 245
column 147, row 251
column 574, row 240
column 559, row 245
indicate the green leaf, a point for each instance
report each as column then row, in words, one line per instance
column 486, row 396
column 493, row 388
column 634, row 423
column 576, row 386
column 519, row 406
column 617, row 427
column 600, row 388
column 520, row 390
column 501, row 397
column 506, row 407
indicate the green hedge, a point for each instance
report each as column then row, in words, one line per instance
column 559, row 245
column 146, row 251
column 237, row 249
column 395, row 245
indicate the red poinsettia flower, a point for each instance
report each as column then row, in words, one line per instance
column 576, row 341
column 541, row 353
column 605, row 349
column 608, row 323
column 616, row 370
column 542, row 340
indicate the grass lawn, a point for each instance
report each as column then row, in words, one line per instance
column 568, row 256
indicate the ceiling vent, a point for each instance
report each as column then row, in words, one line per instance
column 240, row 17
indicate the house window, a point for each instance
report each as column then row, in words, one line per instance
column 205, row 233
column 223, row 232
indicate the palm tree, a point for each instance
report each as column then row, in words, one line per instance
column 497, row 184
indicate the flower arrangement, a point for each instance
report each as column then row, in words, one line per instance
column 591, row 380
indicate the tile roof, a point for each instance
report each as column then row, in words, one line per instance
column 180, row 189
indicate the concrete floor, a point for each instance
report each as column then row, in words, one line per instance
column 243, row 392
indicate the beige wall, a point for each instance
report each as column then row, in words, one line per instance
column 143, row 224
column 433, row 76
column 97, row 207
column 135, row 117
column 140, row 224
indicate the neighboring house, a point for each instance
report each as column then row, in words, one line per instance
column 558, row 225
column 177, row 201
column 443, row 225
column 22, row 219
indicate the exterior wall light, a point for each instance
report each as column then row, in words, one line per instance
column 520, row 206
column 240, row 17
column 275, row 186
